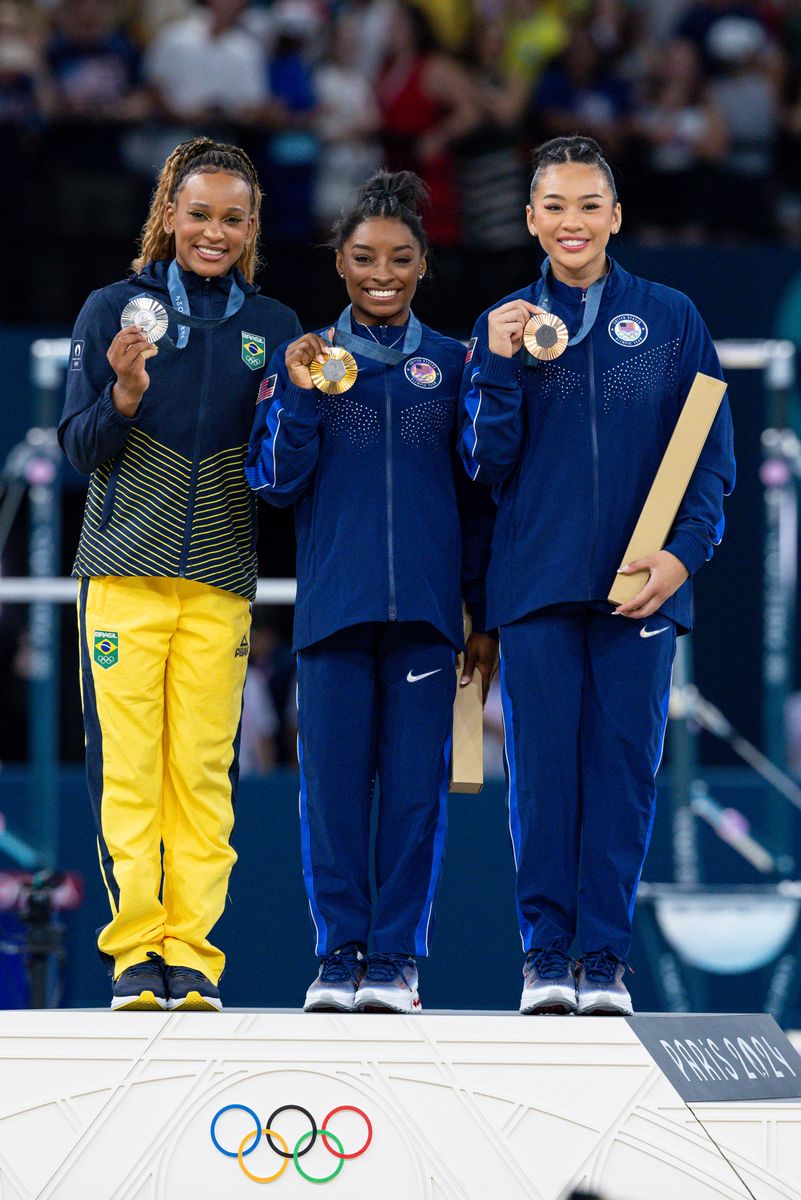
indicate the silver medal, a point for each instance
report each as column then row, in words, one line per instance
column 148, row 314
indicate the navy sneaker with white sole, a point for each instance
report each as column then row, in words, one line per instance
column 549, row 983
column 334, row 989
column 141, row 987
column 389, row 985
column 601, row 990
column 189, row 990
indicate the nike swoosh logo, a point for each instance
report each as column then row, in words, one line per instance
column 652, row 632
column 410, row 678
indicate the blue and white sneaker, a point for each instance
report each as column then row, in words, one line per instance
column 334, row 989
column 189, row 990
column 601, row 990
column 141, row 988
column 549, row 983
column 390, row 985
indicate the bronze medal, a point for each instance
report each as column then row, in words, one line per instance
column 337, row 374
column 545, row 336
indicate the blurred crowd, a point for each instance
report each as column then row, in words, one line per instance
column 697, row 103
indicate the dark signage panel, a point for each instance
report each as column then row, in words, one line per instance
column 728, row 1056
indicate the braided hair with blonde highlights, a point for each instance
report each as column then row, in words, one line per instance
column 201, row 155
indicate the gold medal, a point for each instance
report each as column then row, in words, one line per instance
column 148, row 314
column 337, row 373
column 545, row 336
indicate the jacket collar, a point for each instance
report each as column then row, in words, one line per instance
column 616, row 282
column 154, row 277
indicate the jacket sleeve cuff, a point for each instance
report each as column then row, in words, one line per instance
column 688, row 549
column 302, row 401
column 111, row 413
column 478, row 614
column 499, row 370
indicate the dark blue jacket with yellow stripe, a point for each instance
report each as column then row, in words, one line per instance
column 388, row 526
column 167, row 494
column 571, row 447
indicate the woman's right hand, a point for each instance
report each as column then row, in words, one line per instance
column 127, row 355
column 301, row 353
column 506, row 324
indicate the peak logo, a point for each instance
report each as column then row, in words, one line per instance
column 252, row 1137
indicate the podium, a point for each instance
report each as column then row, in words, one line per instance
column 96, row 1105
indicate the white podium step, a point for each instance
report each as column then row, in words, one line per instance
column 452, row 1106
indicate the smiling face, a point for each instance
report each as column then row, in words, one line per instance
column 381, row 263
column 212, row 220
column 573, row 214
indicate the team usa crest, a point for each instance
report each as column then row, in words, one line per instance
column 253, row 350
column 628, row 330
column 106, row 648
column 423, row 373
column 471, row 345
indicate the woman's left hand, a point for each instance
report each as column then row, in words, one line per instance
column 481, row 652
column 666, row 575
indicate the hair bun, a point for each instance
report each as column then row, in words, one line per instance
column 398, row 195
column 395, row 190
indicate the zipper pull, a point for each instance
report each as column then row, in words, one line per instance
column 583, row 297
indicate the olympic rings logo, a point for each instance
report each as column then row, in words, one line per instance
column 252, row 1138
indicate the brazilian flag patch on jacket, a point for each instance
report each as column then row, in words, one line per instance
column 107, row 648
column 253, row 350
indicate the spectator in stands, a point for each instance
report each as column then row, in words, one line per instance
column 682, row 136
column 700, row 18
column 582, row 90
column 492, row 182
column 94, row 66
column 427, row 104
column 537, row 34
column 373, row 19
column 292, row 148
column 746, row 93
column 208, row 67
column 21, row 73
column 346, row 123
column 451, row 21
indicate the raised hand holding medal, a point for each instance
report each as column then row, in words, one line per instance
column 129, row 351
column 313, row 362
column 506, row 325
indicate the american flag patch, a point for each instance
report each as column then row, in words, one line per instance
column 471, row 345
column 266, row 388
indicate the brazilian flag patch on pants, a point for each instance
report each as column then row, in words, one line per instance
column 107, row 648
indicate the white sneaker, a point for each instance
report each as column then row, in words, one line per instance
column 549, row 984
column 334, row 989
column 601, row 990
column 390, row 985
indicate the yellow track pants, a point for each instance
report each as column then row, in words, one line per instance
column 163, row 666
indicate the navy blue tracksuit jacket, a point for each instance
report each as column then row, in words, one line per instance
column 180, row 456
column 391, row 536
column 571, row 448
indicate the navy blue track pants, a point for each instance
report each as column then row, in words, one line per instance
column 375, row 699
column 585, row 698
